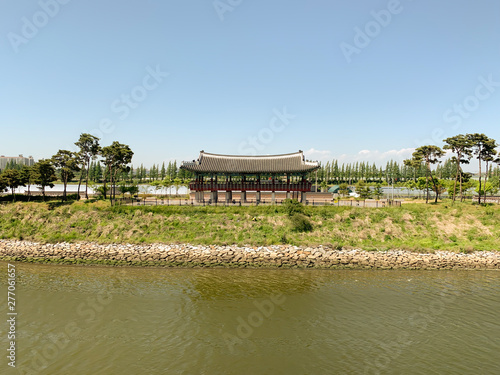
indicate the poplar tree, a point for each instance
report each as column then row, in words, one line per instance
column 163, row 172
column 174, row 169
column 414, row 165
column 98, row 172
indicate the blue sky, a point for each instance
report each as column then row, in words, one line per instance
column 350, row 80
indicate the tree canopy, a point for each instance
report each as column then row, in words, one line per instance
column 44, row 174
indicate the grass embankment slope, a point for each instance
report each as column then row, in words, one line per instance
column 418, row 227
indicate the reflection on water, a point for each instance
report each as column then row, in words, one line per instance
column 96, row 320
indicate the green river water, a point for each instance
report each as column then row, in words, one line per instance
column 98, row 320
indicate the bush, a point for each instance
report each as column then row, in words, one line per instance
column 363, row 190
column 300, row 223
column 292, row 206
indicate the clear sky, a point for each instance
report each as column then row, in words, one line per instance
column 351, row 80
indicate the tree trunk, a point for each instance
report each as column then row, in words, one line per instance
column 456, row 177
column 117, row 179
column 435, row 189
column 427, row 183
column 111, row 182
column 479, row 157
column 65, row 182
column 461, row 189
column 29, row 193
column 13, row 195
column 113, row 189
column 79, row 184
column 87, row 179
column 104, row 177
column 485, row 181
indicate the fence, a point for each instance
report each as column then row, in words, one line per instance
column 250, row 186
column 488, row 199
column 369, row 203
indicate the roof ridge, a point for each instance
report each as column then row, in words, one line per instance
column 299, row 153
column 282, row 163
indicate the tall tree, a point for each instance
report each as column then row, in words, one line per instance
column 98, row 172
column 27, row 178
column 429, row 155
column 163, row 172
column 174, row 169
column 336, row 171
column 363, row 190
column 483, row 148
column 141, row 173
column 461, row 146
column 67, row 162
column 116, row 157
column 89, row 149
column 44, row 174
column 12, row 179
column 3, row 184
column 414, row 165
column 490, row 158
column 169, row 170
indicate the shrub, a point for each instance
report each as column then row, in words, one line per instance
column 363, row 190
column 300, row 223
column 292, row 206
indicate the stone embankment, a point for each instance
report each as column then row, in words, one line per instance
column 285, row 256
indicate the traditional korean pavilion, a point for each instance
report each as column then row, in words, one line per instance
column 263, row 173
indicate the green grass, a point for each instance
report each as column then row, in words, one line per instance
column 418, row 227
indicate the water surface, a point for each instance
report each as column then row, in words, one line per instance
column 98, row 320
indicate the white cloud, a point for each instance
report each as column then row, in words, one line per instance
column 319, row 155
column 380, row 158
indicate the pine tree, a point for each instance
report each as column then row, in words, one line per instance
column 483, row 148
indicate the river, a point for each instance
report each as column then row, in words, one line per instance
column 98, row 320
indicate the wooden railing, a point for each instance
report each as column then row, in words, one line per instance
column 250, row 186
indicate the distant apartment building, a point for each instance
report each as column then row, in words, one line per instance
column 5, row 160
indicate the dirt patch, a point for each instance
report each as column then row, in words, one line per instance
column 390, row 228
column 407, row 217
column 458, row 227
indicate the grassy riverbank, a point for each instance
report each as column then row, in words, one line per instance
column 419, row 227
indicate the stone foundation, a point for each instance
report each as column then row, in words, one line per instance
column 284, row 256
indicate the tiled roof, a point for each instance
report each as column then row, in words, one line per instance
column 214, row 163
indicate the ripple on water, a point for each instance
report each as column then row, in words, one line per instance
column 186, row 321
